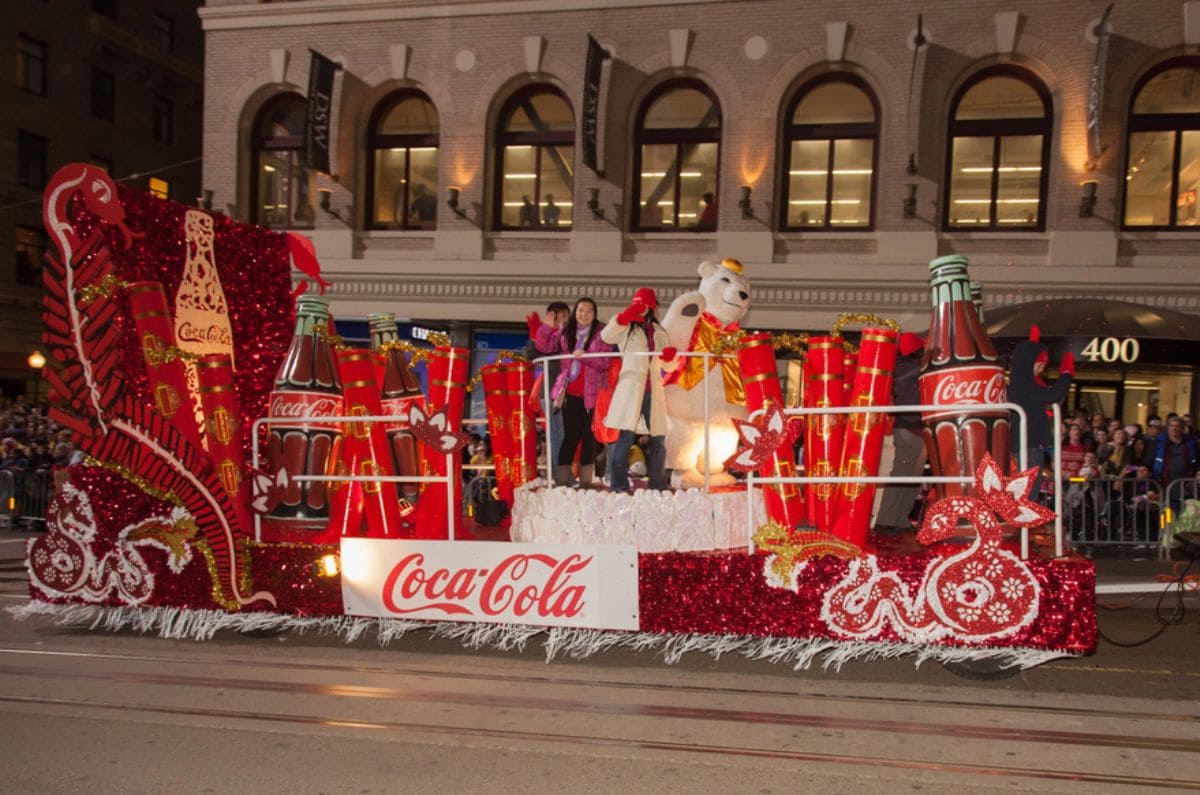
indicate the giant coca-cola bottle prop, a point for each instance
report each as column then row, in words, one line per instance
column 959, row 371
column 307, row 388
column 399, row 390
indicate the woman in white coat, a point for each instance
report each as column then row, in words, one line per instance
column 638, row 396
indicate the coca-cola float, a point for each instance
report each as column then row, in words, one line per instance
column 349, row 523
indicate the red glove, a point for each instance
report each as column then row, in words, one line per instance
column 1067, row 365
column 668, row 354
column 534, row 321
column 631, row 313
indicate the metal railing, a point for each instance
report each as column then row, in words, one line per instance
column 448, row 479
column 24, row 497
column 883, row 480
column 548, row 465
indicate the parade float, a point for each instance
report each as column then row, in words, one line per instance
column 243, row 469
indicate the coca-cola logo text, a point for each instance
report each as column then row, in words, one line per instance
column 212, row 335
column 963, row 386
column 522, row 584
column 304, row 405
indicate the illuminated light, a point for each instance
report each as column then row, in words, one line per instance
column 1002, row 169
column 690, row 174
column 836, row 172
column 269, row 169
column 666, row 204
column 998, row 201
column 329, row 565
column 356, row 563
column 687, row 215
column 517, row 148
column 520, row 176
column 12, row 504
column 423, row 149
column 821, row 202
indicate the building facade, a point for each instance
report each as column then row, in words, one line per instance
column 835, row 150
column 116, row 83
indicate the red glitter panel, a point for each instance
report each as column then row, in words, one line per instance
column 254, row 269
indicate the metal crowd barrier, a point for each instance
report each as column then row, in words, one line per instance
column 24, row 497
column 8, row 499
column 1122, row 513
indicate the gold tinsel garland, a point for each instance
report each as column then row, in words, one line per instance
column 501, row 356
column 136, row 479
column 104, row 288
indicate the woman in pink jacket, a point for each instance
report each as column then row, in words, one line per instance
column 578, row 384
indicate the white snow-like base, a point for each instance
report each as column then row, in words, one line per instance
column 800, row 653
column 652, row 521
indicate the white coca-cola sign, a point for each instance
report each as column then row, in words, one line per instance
column 962, row 386
column 538, row 584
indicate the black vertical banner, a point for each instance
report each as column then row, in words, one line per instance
column 591, row 103
column 1095, row 101
column 319, row 112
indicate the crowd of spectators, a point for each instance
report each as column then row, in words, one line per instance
column 29, row 440
column 1111, row 468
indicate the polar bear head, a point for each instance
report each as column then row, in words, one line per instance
column 725, row 289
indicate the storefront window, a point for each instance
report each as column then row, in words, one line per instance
column 999, row 152
column 677, row 155
column 1162, row 174
column 830, row 160
column 282, row 186
column 535, row 162
column 403, row 163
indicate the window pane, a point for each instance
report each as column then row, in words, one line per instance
column 1000, row 98
column 681, row 109
column 389, row 187
column 519, row 193
column 1189, row 177
column 1148, row 182
column 658, row 185
column 30, row 250
column 31, row 65
column 556, row 202
column 1172, row 91
column 1019, row 180
column 285, row 120
column 834, row 103
column 807, row 179
column 852, row 165
column 697, row 177
column 410, row 116
column 541, row 113
column 423, row 179
column 971, row 181
column 284, row 190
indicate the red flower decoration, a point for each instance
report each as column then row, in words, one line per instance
column 267, row 491
column 435, row 431
column 758, row 439
column 1010, row 497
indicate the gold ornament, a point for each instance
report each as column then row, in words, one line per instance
column 791, row 548
column 104, row 288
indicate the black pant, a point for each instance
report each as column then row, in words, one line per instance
column 577, row 427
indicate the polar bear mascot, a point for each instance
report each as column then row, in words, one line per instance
column 695, row 321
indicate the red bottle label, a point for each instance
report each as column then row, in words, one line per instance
column 306, row 409
column 955, row 387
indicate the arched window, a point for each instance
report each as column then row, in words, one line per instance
column 830, row 155
column 1162, row 169
column 1000, row 124
column 677, row 152
column 282, row 187
column 402, row 164
column 535, row 161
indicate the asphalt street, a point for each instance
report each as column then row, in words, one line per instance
column 89, row 711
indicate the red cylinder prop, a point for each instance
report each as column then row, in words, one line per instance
column 518, row 377
column 862, row 444
column 499, row 412
column 823, row 372
column 223, row 424
column 447, row 372
column 164, row 367
column 760, row 381
column 365, row 450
